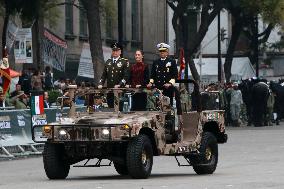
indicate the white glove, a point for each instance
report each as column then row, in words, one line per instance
column 100, row 87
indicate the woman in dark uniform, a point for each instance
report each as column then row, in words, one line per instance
column 139, row 77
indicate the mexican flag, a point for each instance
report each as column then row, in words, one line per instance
column 37, row 106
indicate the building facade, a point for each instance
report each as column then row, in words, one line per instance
column 142, row 25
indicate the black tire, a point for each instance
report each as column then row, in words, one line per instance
column 206, row 163
column 120, row 168
column 139, row 157
column 53, row 159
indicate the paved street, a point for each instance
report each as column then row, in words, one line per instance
column 252, row 158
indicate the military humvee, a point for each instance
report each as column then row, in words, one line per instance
column 129, row 139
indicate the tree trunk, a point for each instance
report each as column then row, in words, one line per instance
column 5, row 25
column 206, row 20
column 236, row 31
column 37, row 32
column 93, row 16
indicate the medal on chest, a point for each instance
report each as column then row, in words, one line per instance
column 119, row 64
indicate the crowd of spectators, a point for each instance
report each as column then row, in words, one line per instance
column 37, row 81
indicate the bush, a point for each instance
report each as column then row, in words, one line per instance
column 53, row 95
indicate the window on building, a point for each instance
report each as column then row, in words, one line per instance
column 135, row 20
column 109, row 27
column 83, row 21
column 68, row 17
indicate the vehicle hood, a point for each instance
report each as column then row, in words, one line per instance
column 110, row 118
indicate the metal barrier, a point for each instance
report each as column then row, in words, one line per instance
column 15, row 131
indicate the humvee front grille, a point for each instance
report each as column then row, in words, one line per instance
column 74, row 133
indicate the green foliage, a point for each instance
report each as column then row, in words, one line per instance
column 270, row 10
column 53, row 95
column 109, row 8
column 52, row 12
column 29, row 10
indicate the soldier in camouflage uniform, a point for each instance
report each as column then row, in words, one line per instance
column 116, row 72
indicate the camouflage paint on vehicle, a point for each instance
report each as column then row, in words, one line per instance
column 122, row 126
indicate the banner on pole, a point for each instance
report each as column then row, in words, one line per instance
column 85, row 68
column 85, row 65
column 23, row 46
column 54, row 50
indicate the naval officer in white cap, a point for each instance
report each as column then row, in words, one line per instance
column 164, row 74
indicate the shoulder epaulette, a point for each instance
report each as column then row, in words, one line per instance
column 124, row 59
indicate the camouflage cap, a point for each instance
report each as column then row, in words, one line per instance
column 98, row 95
column 116, row 46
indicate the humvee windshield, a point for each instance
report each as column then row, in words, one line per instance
column 126, row 99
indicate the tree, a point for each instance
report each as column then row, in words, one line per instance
column 208, row 10
column 246, row 15
column 92, row 8
column 30, row 11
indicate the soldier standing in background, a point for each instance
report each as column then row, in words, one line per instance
column 235, row 105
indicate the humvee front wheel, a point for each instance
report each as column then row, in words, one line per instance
column 139, row 157
column 121, row 168
column 206, row 163
column 54, row 165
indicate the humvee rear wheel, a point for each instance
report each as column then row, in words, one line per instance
column 54, row 165
column 121, row 168
column 139, row 157
column 207, row 161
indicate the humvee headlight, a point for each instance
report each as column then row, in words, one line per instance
column 46, row 129
column 125, row 127
column 62, row 134
column 105, row 132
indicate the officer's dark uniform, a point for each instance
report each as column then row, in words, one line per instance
column 165, row 71
column 115, row 73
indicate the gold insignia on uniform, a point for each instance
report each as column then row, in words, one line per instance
column 127, row 64
column 172, row 81
column 119, row 64
column 168, row 69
